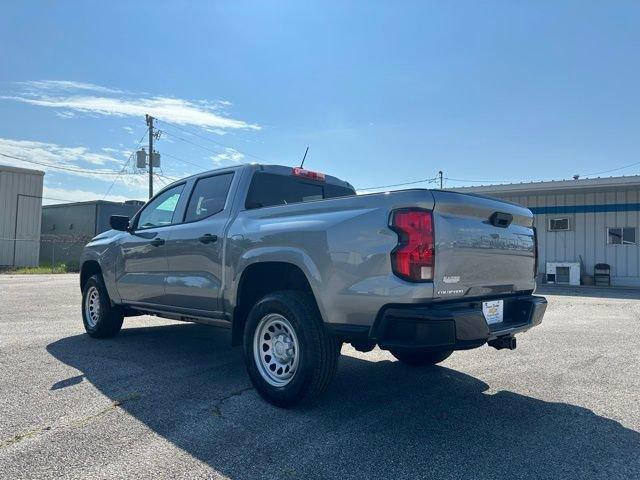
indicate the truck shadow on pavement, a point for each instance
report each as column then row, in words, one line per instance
column 380, row 419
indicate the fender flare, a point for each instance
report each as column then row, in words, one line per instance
column 107, row 275
column 277, row 254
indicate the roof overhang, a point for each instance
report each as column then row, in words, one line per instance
column 11, row 169
column 564, row 185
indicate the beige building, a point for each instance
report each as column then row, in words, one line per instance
column 20, row 215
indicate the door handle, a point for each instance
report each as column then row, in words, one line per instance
column 156, row 242
column 208, row 238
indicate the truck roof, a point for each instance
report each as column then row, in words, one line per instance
column 275, row 169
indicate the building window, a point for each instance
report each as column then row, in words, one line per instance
column 621, row 236
column 560, row 224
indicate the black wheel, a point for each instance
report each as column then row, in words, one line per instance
column 100, row 318
column 419, row 357
column 290, row 357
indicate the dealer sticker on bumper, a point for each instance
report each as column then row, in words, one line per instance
column 493, row 311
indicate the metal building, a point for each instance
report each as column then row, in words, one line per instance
column 67, row 227
column 584, row 222
column 20, row 210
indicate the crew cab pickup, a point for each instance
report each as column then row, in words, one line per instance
column 295, row 264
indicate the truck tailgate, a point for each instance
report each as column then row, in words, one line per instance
column 483, row 246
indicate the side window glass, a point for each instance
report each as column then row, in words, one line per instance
column 160, row 211
column 208, row 197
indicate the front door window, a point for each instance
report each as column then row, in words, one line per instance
column 160, row 211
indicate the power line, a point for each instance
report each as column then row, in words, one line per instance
column 192, row 143
column 479, row 181
column 58, row 199
column 426, row 180
column 186, row 161
column 516, row 181
column 191, row 132
column 133, row 152
column 161, row 179
column 612, row 170
column 68, row 169
column 168, row 177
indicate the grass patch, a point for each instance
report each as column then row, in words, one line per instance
column 44, row 268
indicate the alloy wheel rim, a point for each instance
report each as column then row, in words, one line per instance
column 276, row 349
column 92, row 307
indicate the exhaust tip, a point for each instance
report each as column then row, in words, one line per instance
column 506, row 341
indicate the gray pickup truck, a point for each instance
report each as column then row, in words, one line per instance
column 295, row 263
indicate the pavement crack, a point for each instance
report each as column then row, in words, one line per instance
column 217, row 410
column 24, row 435
column 118, row 402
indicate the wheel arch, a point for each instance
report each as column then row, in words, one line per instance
column 89, row 268
column 259, row 279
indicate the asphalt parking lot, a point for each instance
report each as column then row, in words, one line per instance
column 172, row 400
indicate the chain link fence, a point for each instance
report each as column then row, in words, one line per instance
column 55, row 252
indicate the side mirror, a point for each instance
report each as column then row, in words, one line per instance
column 119, row 222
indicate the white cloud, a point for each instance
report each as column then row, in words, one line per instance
column 69, row 85
column 78, row 163
column 58, row 195
column 53, row 153
column 228, row 155
column 65, row 114
column 217, row 131
column 85, row 98
column 74, row 161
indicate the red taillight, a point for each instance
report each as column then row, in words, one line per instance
column 301, row 172
column 535, row 252
column 413, row 258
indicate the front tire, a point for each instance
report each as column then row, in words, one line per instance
column 420, row 357
column 100, row 318
column 289, row 355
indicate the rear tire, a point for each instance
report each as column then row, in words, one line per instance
column 100, row 318
column 419, row 357
column 289, row 355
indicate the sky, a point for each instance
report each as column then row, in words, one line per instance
column 381, row 92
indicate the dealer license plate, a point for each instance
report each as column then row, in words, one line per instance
column 493, row 311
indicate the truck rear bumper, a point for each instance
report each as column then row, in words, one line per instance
column 451, row 325
column 454, row 325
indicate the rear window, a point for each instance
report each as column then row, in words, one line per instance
column 268, row 189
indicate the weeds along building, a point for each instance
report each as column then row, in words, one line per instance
column 588, row 221
column 67, row 227
column 20, row 212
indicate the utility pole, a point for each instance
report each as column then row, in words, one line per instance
column 150, row 125
column 440, row 175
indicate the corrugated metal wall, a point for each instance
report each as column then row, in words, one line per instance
column 17, row 189
column 591, row 213
column 105, row 210
column 67, row 228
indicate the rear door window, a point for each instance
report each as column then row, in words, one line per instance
column 268, row 189
column 208, row 197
